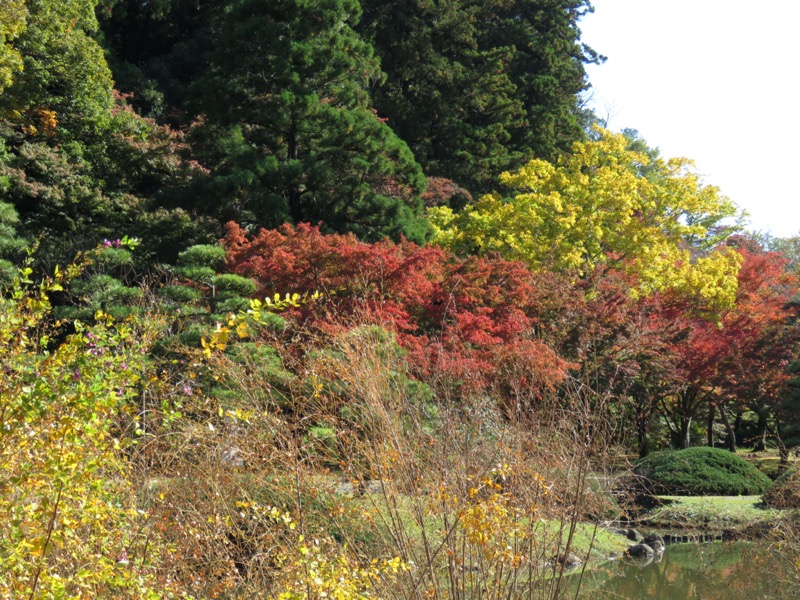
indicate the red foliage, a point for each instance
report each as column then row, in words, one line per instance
column 761, row 342
column 742, row 359
column 441, row 191
column 747, row 334
column 461, row 320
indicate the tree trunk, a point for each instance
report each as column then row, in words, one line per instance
column 644, row 412
column 737, row 426
column 686, row 426
column 642, row 427
column 761, row 437
column 710, row 424
column 731, row 433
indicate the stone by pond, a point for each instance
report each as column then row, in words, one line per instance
column 711, row 571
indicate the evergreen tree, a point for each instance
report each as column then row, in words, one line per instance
column 10, row 244
column 547, row 67
column 157, row 49
column 476, row 87
column 289, row 133
column 449, row 98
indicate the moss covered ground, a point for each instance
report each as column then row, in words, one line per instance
column 710, row 513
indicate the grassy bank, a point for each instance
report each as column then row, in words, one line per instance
column 710, row 513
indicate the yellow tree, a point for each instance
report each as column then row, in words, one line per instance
column 609, row 202
column 12, row 23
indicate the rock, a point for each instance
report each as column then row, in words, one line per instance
column 232, row 457
column 570, row 561
column 655, row 541
column 616, row 530
column 639, row 551
column 633, row 535
column 658, row 557
column 359, row 487
column 645, row 560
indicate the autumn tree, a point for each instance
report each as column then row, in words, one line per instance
column 738, row 362
column 466, row 323
column 605, row 204
column 763, row 337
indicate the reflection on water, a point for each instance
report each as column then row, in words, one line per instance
column 729, row 571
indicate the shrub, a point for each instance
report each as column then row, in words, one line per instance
column 785, row 492
column 71, row 523
column 702, row 471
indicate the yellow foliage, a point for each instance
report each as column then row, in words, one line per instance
column 13, row 15
column 604, row 203
column 70, row 527
column 319, row 568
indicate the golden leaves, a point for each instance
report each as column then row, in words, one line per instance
column 604, row 204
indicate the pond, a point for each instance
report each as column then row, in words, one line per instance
column 713, row 571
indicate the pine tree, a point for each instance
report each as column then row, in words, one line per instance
column 449, row 98
column 547, row 67
column 477, row 88
column 289, row 132
column 10, row 244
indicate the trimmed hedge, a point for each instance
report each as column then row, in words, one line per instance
column 702, row 471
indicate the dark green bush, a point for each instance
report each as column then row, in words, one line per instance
column 701, row 471
column 202, row 255
column 235, row 284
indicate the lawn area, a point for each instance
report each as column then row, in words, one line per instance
column 710, row 512
column 605, row 545
column 551, row 535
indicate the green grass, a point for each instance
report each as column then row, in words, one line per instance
column 604, row 545
column 551, row 534
column 710, row 512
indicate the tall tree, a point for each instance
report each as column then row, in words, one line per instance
column 478, row 87
column 547, row 67
column 157, row 49
column 450, row 99
column 606, row 204
column 75, row 162
column 12, row 24
column 64, row 84
column 289, row 133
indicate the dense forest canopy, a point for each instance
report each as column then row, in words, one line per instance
column 368, row 238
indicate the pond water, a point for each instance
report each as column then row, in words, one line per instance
column 714, row 571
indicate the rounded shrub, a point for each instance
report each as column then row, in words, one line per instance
column 701, row 471
column 785, row 492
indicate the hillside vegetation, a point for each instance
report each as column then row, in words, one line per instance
column 329, row 298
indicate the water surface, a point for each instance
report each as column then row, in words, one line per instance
column 717, row 571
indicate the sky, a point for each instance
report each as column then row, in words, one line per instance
column 716, row 81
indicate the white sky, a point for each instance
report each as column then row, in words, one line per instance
column 716, row 81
